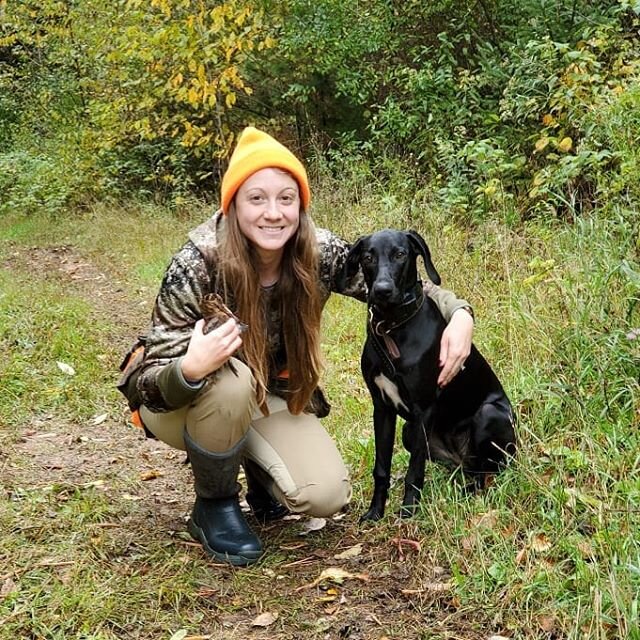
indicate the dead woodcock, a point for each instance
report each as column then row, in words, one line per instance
column 215, row 313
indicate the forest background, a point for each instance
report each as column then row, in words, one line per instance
column 508, row 132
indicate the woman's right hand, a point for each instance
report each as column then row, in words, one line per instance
column 208, row 352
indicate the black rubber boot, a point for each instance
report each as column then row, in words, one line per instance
column 217, row 520
column 263, row 505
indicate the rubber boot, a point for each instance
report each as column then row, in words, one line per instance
column 263, row 505
column 217, row 520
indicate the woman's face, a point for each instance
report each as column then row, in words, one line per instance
column 268, row 209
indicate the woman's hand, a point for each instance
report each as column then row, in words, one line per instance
column 455, row 345
column 208, row 352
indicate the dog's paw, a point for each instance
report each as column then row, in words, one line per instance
column 372, row 515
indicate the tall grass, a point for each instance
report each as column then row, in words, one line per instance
column 551, row 551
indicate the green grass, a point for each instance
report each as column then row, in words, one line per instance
column 552, row 550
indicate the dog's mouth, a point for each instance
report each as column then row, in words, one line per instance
column 384, row 301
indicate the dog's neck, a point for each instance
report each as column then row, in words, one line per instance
column 384, row 321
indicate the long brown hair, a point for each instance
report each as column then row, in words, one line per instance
column 300, row 308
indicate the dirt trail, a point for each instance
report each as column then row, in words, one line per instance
column 399, row 591
column 105, row 452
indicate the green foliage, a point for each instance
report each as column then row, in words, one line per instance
column 174, row 74
column 494, row 103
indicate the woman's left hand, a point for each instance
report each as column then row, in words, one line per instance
column 455, row 345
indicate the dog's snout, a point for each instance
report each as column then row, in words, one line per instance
column 382, row 290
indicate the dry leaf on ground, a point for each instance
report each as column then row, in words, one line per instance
column 66, row 368
column 352, row 552
column 264, row 619
column 334, row 574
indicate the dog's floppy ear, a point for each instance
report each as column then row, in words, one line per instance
column 422, row 249
column 351, row 264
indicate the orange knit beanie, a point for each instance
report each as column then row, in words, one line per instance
column 258, row 150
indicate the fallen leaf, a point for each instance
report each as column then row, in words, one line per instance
column 541, row 143
column 540, row 543
column 487, row 520
column 313, row 524
column 264, row 619
column 334, row 574
column 152, row 474
column 498, row 638
column 352, row 552
column 66, row 368
column 565, row 144
column 179, row 635
column 99, row 419
column 128, row 496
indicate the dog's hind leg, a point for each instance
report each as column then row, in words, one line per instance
column 414, row 441
column 494, row 442
column 384, row 424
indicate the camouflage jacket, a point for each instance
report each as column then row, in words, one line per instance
column 192, row 274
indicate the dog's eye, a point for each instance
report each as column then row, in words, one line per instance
column 367, row 259
column 400, row 255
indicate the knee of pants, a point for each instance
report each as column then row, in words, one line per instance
column 320, row 500
column 221, row 414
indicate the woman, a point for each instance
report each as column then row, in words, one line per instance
column 252, row 398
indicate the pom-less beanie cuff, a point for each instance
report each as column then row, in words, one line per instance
column 257, row 150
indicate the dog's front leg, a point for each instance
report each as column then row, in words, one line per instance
column 415, row 441
column 384, row 424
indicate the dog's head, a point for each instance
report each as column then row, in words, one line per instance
column 388, row 262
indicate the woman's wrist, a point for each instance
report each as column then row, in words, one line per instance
column 468, row 310
column 189, row 375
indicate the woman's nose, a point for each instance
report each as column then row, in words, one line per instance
column 272, row 210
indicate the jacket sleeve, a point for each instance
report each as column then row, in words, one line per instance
column 176, row 310
column 333, row 256
column 445, row 300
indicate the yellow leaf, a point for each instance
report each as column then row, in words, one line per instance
column 542, row 143
column 192, row 96
column 230, row 99
column 565, row 144
column 548, row 120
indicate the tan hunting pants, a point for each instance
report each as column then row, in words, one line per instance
column 308, row 472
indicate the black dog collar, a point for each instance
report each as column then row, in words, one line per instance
column 382, row 322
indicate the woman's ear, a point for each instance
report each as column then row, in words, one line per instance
column 421, row 248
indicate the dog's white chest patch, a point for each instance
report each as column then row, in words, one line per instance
column 390, row 390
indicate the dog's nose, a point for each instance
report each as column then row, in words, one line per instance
column 382, row 290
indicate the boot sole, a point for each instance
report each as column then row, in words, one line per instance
column 228, row 558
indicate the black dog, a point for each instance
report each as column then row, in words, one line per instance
column 469, row 422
